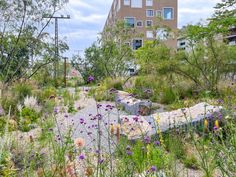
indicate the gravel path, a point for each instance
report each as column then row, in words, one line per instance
column 85, row 122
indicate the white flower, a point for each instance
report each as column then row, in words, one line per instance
column 19, row 107
column 32, row 103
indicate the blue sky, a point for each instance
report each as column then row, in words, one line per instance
column 88, row 18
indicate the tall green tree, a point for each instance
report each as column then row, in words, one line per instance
column 22, row 34
column 109, row 56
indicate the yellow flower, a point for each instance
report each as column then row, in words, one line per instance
column 206, row 124
column 217, row 124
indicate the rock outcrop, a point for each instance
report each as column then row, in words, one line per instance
column 137, row 126
column 132, row 105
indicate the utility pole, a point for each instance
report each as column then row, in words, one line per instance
column 56, row 59
column 65, row 71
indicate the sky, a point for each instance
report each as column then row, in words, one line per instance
column 88, row 18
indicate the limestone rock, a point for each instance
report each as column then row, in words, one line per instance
column 136, row 127
column 132, row 105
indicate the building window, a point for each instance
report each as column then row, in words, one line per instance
column 149, row 34
column 150, row 13
column 127, row 2
column 137, row 43
column 149, row 23
column 182, row 43
column 159, row 13
column 149, row 2
column 130, row 22
column 139, row 23
column 168, row 13
column 136, row 3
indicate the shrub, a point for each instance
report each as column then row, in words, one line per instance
column 32, row 103
column 48, row 106
column 71, row 108
column 102, row 91
column 2, row 124
column 175, row 145
column 147, row 83
column 168, row 96
column 110, row 83
column 47, row 92
column 184, row 89
column 8, row 102
column 190, row 161
column 22, row 90
column 66, row 97
column 27, row 117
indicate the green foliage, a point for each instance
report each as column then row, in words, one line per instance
column 71, row 108
column 27, row 117
column 9, row 104
column 151, row 55
column 48, row 106
column 48, row 92
column 106, row 57
column 22, row 90
column 67, row 97
column 168, row 96
column 21, row 39
column 149, row 83
column 2, row 124
column 175, row 145
column 190, row 161
column 102, row 92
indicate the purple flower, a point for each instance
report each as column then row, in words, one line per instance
column 220, row 101
column 56, row 110
column 153, row 168
column 99, row 106
column 147, row 140
column 81, row 156
column 215, row 128
column 90, row 78
column 157, row 143
column 81, row 121
column 129, row 153
column 100, row 161
column 135, row 119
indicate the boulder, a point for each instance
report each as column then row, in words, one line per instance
column 135, row 127
column 132, row 105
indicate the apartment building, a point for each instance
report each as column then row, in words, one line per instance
column 143, row 16
column 230, row 39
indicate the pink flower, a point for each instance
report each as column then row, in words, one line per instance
column 79, row 142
